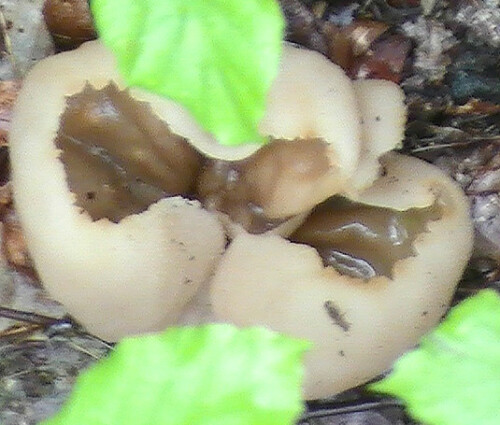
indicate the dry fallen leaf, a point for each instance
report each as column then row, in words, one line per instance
column 8, row 94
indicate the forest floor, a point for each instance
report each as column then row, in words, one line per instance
column 444, row 54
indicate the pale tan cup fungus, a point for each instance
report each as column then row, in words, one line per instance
column 105, row 182
column 358, row 326
column 119, row 271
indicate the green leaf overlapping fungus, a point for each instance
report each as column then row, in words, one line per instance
column 217, row 58
column 453, row 378
column 208, row 375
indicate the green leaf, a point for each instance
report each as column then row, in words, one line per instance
column 453, row 378
column 215, row 57
column 210, row 375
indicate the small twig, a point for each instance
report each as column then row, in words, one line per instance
column 8, row 46
column 18, row 331
column 470, row 141
column 383, row 11
column 41, row 322
column 23, row 316
column 321, row 410
column 83, row 350
column 32, row 322
column 366, row 4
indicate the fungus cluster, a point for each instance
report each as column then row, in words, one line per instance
column 137, row 219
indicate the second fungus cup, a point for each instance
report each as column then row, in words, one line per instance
column 126, row 204
column 363, row 281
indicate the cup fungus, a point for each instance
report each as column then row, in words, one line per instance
column 106, row 240
column 376, row 278
column 121, row 196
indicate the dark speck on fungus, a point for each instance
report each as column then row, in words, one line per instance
column 336, row 315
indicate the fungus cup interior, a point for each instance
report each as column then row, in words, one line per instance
column 120, row 158
column 360, row 240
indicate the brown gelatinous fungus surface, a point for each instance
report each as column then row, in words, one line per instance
column 119, row 158
column 363, row 241
column 244, row 189
column 69, row 22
